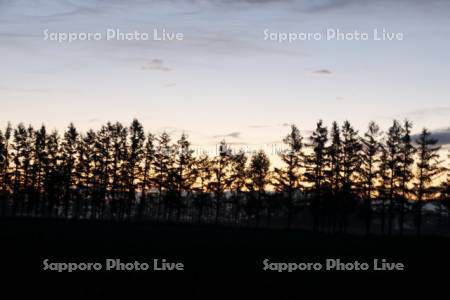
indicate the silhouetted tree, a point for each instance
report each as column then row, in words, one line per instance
column 393, row 166
column 335, row 176
column 83, row 172
column 351, row 167
column 287, row 180
column 53, row 174
column 104, row 170
column 40, row 157
column 445, row 196
column 238, row 178
column 22, row 151
column 427, row 169
column 383, row 188
column 133, row 163
column 220, row 180
column 149, row 161
column 369, row 170
column 118, row 135
column 69, row 158
column 405, row 171
column 185, row 177
column 5, row 175
column 258, row 173
column 316, row 165
column 203, row 173
column 163, row 167
column 119, row 173
column 89, row 173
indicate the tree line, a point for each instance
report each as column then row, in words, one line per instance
column 330, row 181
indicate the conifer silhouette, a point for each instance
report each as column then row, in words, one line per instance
column 334, row 181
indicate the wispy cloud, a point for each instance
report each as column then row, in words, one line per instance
column 23, row 89
column 171, row 130
column 442, row 135
column 94, row 120
column 429, row 111
column 11, row 34
column 235, row 135
column 156, row 64
column 322, row 72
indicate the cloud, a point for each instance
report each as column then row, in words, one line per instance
column 235, row 135
column 322, row 6
column 50, row 10
column 8, row 34
column 23, row 90
column 424, row 114
column 322, row 72
column 94, row 120
column 74, row 12
column 156, row 64
column 442, row 135
column 444, row 110
column 170, row 130
column 300, row 5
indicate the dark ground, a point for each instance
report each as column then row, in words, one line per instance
column 217, row 259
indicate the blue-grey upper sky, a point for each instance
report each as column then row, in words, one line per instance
column 224, row 79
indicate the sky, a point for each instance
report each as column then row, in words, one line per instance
column 225, row 79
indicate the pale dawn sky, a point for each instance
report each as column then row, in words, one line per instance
column 224, row 79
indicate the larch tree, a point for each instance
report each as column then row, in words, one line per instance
column 383, row 187
column 203, row 171
column 40, row 160
column 335, row 156
column 445, row 194
column 54, row 175
column 351, row 167
column 103, row 169
column 22, row 151
column 84, row 170
column 133, row 163
column 147, row 172
column 5, row 175
column 70, row 158
column 287, row 180
column 185, row 177
column 405, row 171
column 317, row 167
column 339, row 177
column 90, row 164
column 335, row 175
column 428, row 167
column 393, row 162
column 118, row 135
column 370, row 156
column 163, row 167
column 238, row 180
column 220, row 180
column 258, row 173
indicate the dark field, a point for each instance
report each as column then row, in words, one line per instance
column 215, row 258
